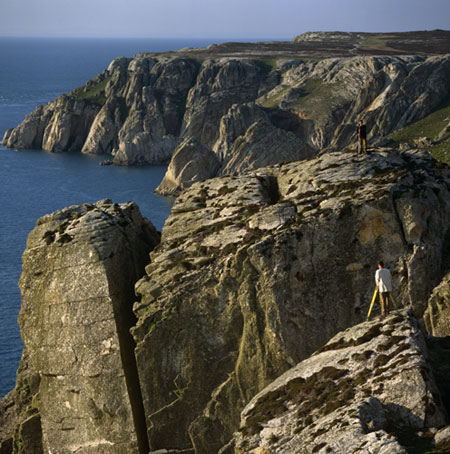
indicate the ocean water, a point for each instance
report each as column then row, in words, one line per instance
column 33, row 183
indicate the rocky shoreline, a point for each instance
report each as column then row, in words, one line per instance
column 235, row 107
column 247, row 317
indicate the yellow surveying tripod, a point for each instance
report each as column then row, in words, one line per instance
column 373, row 301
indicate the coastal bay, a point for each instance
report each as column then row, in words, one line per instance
column 33, row 183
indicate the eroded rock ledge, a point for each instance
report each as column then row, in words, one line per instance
column 366, row 388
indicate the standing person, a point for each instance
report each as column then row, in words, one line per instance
column 362, row 138
column 384, row 283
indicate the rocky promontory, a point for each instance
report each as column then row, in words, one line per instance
column 254, row 276
column 235, row 107
column 77, row 386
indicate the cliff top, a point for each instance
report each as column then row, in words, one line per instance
column 328, row 44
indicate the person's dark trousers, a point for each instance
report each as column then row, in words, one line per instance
column 384, row 302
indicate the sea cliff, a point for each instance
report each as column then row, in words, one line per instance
column 235, row 107
column 253, row 277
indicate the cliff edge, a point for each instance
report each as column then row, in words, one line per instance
column 251, row 276
column 256, row 272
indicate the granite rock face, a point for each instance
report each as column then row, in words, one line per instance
column 352, row 396
column 141, row 109
column 77, row 387
column 61, row 125
column 256, row 272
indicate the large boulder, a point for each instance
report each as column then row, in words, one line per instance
column 366, row 388
column 256, row 272
column 77, row 387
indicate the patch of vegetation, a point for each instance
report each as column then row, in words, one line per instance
column 301, row 93
column 267, row 65
column 317, row 97
column 270, row 102
column 379, row 42
column 430, row 126
column 310, row 86
column 441, row 151
column 94, row 93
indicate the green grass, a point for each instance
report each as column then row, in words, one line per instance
column 267, row 65
column 430, row 126
column 310, row 86
column 271, row 102
column 379, row 42
column 441, row 151
column 305, row 90
column 94, row 93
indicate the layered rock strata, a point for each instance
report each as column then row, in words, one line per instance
column 364, row 389
column 249, row 113
column 256, row 272
column 77, row 386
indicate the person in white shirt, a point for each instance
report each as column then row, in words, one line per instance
column 384, row 283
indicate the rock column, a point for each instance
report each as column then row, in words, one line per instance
column 79, row 270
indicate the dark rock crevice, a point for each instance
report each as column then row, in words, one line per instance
column 125, row 320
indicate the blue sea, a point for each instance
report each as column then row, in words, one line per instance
column 34, row 71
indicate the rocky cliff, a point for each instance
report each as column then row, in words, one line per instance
column 77, row 388
column 369, row 389
column 253, row 274
column 232, row 108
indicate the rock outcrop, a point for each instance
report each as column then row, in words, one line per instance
column 256, row 272
column 191, row 162
column 253, row 274
column 249, row 111
column 61, row 125
column 77, row 386
column 366, row 388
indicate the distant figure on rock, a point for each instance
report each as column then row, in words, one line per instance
column 384, row 283
column 362, row 138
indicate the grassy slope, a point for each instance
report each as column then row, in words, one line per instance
column 430, row 127
column 94, row 93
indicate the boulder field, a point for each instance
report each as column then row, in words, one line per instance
column 246, row 331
